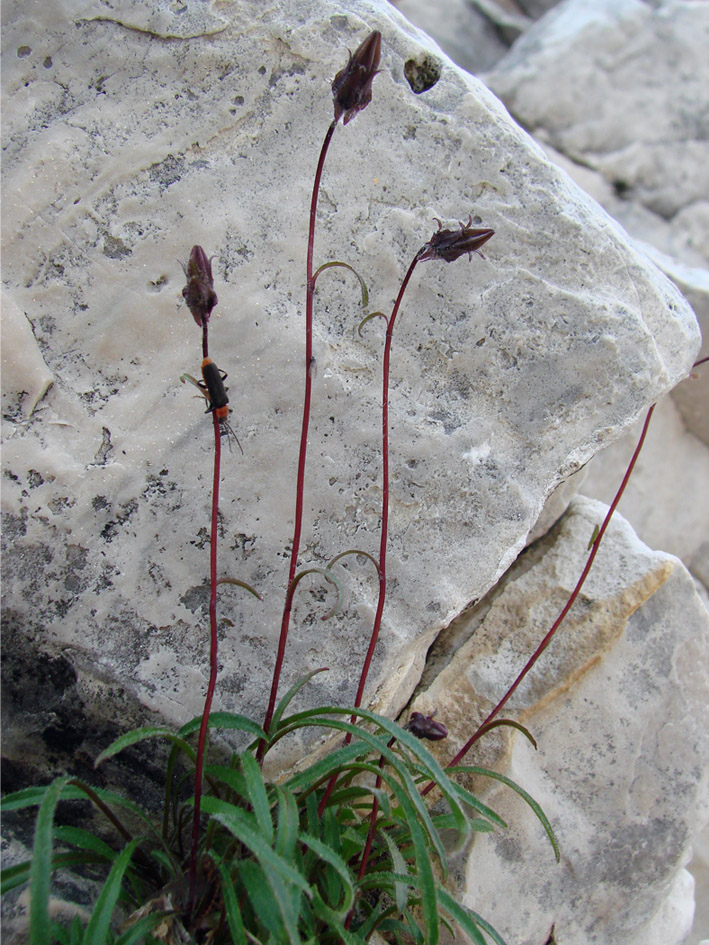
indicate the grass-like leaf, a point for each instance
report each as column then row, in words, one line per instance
column 140, row 734
column 329, row 577
column 359, row 553
column 287, row 823
column 85, row 840
column 245, row 828
column 368, row 318
column 344, row 265
column 238, row 583
column 41, row 868
column 327, row 855
column 270, row 901
column 434, row 770
column 467, row 797
column 290, row 695
column 100, row 921
column 256, row 793
column 529, row 800
column 469, row 921
column 399, row 864
column 223, row 720
column 231, row 907
column 135, row 934
column 511, row 723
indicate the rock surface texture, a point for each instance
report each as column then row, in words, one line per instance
column 164, row 129
column 616, row 704
column 622, row 88
column 132, row 132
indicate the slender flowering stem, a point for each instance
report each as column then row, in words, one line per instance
column 385, row 487
column 567, row 607
column 205, row 339
column 384, row 528
column 202, row 740
column 300, row 486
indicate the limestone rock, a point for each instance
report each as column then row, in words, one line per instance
column 666, row 498
column 681, row 251
column 133, row 132
column 622, row 86
column 617, row 706
column 463, row 32
column 26, row 377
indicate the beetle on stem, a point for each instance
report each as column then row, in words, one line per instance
column 213, row 389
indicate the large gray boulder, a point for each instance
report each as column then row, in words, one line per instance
column 132, row 132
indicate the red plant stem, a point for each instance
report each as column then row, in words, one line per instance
column 385, row 488
column 567, row 607
column 370, row 836
column 384, row 528
column 300, row 486
column 201, row 742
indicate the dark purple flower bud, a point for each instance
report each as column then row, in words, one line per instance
column 352, row 86
column 450, row 244
column 199, row 292
column 424, row 726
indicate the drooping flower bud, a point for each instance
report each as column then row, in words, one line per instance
column 450, row 244
column 352, row 86
column 199, row 292
column 424, row 726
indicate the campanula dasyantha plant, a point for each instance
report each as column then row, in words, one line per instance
column 346, row 847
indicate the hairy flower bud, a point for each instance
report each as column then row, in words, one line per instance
column 199, row 292
column 450, row 244
column 424, row 726
column 352, row 86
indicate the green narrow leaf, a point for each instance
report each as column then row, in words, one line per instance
column 139, row 734
column 427, row 885
column 288, row 822
column 344, row 265
column 269, row 901
column 327, row 855
column 13, row 876
column 245, row 828
column 220, row 774
column 135, row 934
column 368, row 318
column 28, row 797
column 85, row 840
column 542, row 817
column 290, row 695
column 238, row 583
column 467, row 797
column 512, row 724
column 400, row 890
column 231, row 906
column 333, row 921
column 469, row 921
column 321, row 770
column 256, row 791
column 434, row 770
column 41, row 868
column 223, row 720
column 100, row 921
column 413, row 928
